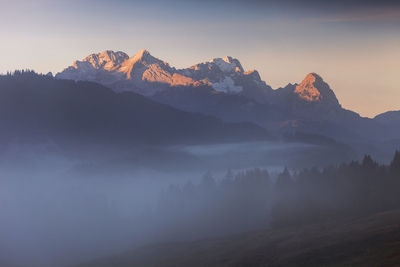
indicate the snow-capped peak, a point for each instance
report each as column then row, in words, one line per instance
column 141, row 55
column 147, row 74
column 106, row 60
column 228, row 64
column 144, row 57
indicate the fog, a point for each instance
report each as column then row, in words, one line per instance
column 62, row 207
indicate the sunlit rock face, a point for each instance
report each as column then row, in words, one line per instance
column 141, row 72
column 102, row 68
column 314, row 89
column 307, row 90
column 107, row 60
column 147, row 75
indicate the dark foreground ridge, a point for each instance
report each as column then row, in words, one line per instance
column 362, row 241
column 64, row 111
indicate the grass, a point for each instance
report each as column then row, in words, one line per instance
column 364, row 241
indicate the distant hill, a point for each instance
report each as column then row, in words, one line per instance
column 36, row 107
column 390, row 117
column 390, row 120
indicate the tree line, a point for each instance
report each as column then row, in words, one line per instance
column 252, row 199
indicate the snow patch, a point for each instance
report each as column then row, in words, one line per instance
column 227, row 86
column 225, row 64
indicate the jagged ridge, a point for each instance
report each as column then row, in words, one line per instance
column 148, row 75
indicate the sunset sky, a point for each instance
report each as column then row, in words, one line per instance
column 353, row 45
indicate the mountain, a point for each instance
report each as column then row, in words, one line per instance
column 65, row 111
column 222, row 88
column 147, row 75
column 310, row 106
column 390, row 120
column 144, row 74
column 390, row 117
column 312, row 90
column 218, row 81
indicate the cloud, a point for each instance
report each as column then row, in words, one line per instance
column 309, row 4
column 362, row 15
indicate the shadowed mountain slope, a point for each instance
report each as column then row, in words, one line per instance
column 33, row 106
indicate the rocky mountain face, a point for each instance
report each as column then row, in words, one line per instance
column 314, row 89
column 222, row 88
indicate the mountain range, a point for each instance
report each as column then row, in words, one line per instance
column 147, row 75
column 222, row 88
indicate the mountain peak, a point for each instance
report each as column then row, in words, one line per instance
column 147, row 74
column 313, row 76
column 228, row 59
column 228, row 64
column 104, row 60
column 307, row 89
column 107, row 56
column 141, row 54
column 144, row 57
column 314, row 89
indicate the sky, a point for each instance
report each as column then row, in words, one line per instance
column 354, row 45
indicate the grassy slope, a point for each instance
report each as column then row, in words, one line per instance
column 366, row 241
